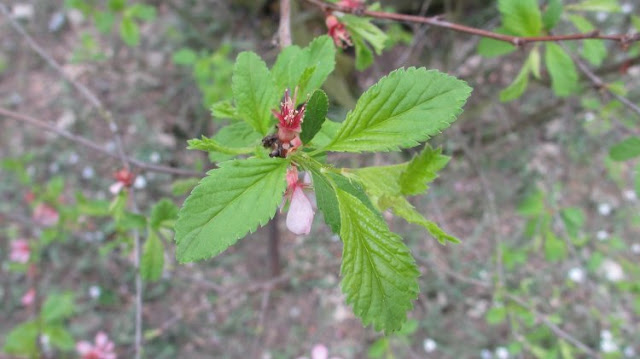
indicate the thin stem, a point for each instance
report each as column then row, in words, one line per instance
column 437, row 21
column 284, row 31
column 91, row 145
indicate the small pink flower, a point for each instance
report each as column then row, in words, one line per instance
column 301, row 204
column 338, row 32
column 124, row 179
column 102, row 349
column 289, row 118
column 45, row 215
column 19, row 251
column 319, row 351
column 28, row 297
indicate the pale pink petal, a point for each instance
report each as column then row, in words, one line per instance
column 116, row 187
column 319, row 351
column 28, row 297
column 292, row 177
column 19, row 251
column 45, row 215
column 84, row 347
column 109, row 356
column 300, row 214
column 101, row 339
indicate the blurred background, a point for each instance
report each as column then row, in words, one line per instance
column 549, row 224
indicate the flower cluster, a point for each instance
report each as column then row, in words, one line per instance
column 102, row 348
column 302, row 202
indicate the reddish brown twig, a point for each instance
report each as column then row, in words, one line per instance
column 438, row 21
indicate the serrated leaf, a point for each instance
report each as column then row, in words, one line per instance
column 163, row 213
column 625, row 150
column 422, row 170
column 518, row 86
column 224, row 110
column 236, row 135
column 402, row 208
column 152, row 261
column 59, row 337
column 364, row 54
column 402, row 109
column 230, row 202
column 564, row 77
column 488, row 47
column 22, row 340
column 288, row 67
column 365, row 29
column 521, row 17
column 379, row 276
column 314, row 116
column 254, row 91
column 327, row 132
column 552, row 14
column 596, row 5
column 57, row 307
column 211, row 145
column 326, row 200
column 129, row 31
column 594, row 50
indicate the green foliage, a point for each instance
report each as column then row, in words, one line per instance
column 403, row 108
column 564, row 77
column 231, row 201
column 22, row 340
column 315, row 115
column 519, row 85
column 57, row 307
column 625, row 150
column 254, row 91
column 593, row 51
column 596, row 5
column 163, row 214
column 152, row 261
column 367, row 39
column 521, row 17
column 552, row 14
column 488, row 47
column 379, row 274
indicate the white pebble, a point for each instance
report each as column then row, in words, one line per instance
column 576, row 274
column 604, row 209
column 486, row 354
column 429, row 345
column 612, row 270
column 635, row 248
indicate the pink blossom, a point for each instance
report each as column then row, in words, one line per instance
column 19, row 251
column 124, row 179
column 302, row 202
column 45, row 215
column 102, row 349
column 338, row 32
column 289, row 118
column 351, row 4
column 28, row 297
column 319, row 351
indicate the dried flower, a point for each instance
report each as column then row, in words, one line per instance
column 302, row 202
column 19, row 251
column 102, row 349
column 338, row 32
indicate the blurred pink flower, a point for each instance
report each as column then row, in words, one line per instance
column 319, row 351
column 338, row 32
column 19, row 251
column 45, row 215
column 351, row 4
column 28, row 297
column 102, row 349
column 302, row 202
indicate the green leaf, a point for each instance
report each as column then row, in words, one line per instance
column 364, row 28
column 596, row 5
column 57, row 307
column 564, row 77
column 116, row 5
column 625, row 150
column 533, row 205
column 496, row 315
column 211, row 145
column 402, row 208
column 378, row 348
column 234, row 136
column 104, row 21
column 181, row 187
column 593, row 51
column 227, row 204
column 518, row 86
column 422, row 170
column 488, row 47
column 142, row 11
column 185, row 56
column 379, row 276
column 403, row 108
column 314, row 116
column 129, row 31
column 554, row 249
column 163, row 213
column 534, row 62
column 327, row 132
column 254, row 91
column 307, row 68
column 22, row 340
column 553, row 14
column 326, row 199
column 224, row 110
column 573, row 219
column 364, row 54
column 152, row 261
column 521, row 17
column 59, row 337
